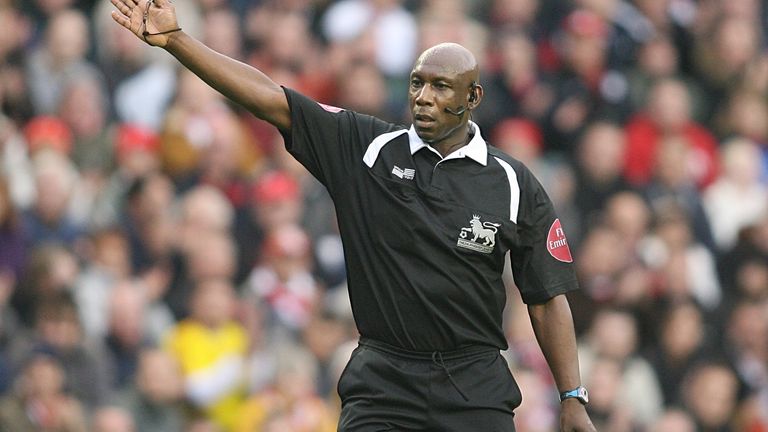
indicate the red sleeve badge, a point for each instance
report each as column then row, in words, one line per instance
column 330, row 108
column 557, row 244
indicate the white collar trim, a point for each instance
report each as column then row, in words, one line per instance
column 476, row 148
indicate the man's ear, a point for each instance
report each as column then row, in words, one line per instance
column 475, row 96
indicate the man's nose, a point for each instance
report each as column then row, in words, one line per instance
column 425, row 95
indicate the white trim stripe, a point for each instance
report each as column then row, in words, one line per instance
column 514, row 189
column 372, row 152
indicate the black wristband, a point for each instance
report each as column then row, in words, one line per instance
column 146, row 33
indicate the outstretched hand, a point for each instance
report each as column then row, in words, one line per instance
column 153, row 21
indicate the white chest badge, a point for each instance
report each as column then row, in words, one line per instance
column 483, row 235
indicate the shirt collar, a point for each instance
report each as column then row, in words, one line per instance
column 476, row 149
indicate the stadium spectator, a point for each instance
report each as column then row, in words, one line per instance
column 673, row 185
column 746, row 345
column 15, row 165
column 136, row 157
column 737, row 199
column 518, row 88
column 291, row 403
column 683, row 337
column 148, row 199
column 520, row 138
column 599, row 161
column 687, row 268
column 84, row 108
column 275, row 199
column 126, row 335
column 108, row 262
column 61, row 56
column 585, row 89
column 723, row 53
column 13, row 248
column 390, row 28
column 283, row 280
column 50, row 270
column 711, row 394
column 210, row 347
column 58, row 331
column 39, row 402
column 613, row 338
column 674, row 420
column 112, row 419
column 209, row 255
column 668, row 113
column 49, row 220
column 609, row 411
column 154, row 400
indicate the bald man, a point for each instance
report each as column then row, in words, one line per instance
column 427, row 215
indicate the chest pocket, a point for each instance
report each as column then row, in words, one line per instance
column 399, row 213
column 392, row 200
column 395, row 187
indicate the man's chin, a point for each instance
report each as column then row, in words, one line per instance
column 426, row 135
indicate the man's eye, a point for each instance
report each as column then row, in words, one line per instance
column 415, row 84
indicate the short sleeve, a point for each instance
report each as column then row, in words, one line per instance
column 542, row 264
column 329, row 141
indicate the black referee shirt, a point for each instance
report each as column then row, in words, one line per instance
column 425, row 237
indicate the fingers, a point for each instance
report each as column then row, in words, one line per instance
column 122, row 7
column 121, row 19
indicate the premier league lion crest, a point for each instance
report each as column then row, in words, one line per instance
column 483, row 235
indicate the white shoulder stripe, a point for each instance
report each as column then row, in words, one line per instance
column 372, row 153
column 514, row 189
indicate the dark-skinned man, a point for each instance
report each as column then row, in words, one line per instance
column 427, row 215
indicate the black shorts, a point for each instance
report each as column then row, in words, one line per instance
column 384, row 388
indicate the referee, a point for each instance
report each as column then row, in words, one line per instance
column 427, row 215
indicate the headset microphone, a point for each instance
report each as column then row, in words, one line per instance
column 459, row 111
column 462, row 109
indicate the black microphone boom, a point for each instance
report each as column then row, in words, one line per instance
column 459, row 111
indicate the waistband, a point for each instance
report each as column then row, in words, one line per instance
column 456, row 354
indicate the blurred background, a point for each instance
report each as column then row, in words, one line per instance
column 166, row 266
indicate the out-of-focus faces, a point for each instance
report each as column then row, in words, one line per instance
column 43, row 377
column 601, row 151
column 67, row 37
column 213, row 302
column 669, row 105
column 711, row 394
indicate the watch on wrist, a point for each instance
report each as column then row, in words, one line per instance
column 580, row 393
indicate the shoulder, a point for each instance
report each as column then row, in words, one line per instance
column 508, row 163
column 235, row 331
column 321, row 114
column 187, row 331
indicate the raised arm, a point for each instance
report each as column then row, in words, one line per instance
column 154, row 21
column 553, row 324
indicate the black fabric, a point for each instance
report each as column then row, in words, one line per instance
column 384, row 388
column 413, row 282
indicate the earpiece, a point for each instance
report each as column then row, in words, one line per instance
column 472, row 92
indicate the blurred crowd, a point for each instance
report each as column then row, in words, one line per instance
column 166, row 266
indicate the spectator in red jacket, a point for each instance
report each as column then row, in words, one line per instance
column 668, row 112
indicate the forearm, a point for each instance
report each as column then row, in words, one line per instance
column 238, row 81
column 553, row 325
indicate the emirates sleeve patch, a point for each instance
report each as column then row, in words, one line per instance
column 557, row 244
